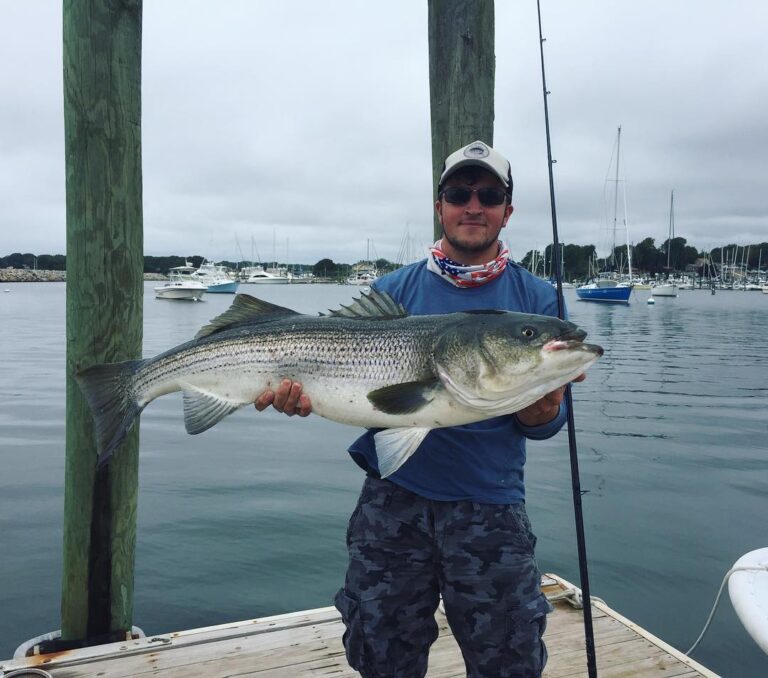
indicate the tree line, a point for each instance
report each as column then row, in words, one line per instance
column 672, row 256
column 579, row 261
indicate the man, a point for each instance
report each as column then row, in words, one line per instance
column 451, row 521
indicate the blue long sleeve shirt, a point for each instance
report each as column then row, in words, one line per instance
column 482, row 461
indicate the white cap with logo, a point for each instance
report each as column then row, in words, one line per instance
column 478, row 154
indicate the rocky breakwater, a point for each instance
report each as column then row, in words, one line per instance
column 12, row 275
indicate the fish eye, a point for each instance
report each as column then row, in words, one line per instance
column 528, row 332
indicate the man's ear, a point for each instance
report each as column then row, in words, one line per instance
column 439, row 210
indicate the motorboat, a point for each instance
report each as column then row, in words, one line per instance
column 181, row 285
column 363, row 278
column 274, row 276
column 215, row 278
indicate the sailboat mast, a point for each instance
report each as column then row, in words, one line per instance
column 616, row 197
column 671, row 227
column 626, row 233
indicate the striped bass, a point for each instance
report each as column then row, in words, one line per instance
column 368, row 364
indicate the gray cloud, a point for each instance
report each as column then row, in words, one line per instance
column 306, row 125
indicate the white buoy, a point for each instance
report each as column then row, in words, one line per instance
column 651, row 300
column 748, row 589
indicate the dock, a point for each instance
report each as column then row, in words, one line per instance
column 308, row 644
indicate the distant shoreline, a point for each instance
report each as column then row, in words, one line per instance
column 14, row 275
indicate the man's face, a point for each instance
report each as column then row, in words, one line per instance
column 471, row 230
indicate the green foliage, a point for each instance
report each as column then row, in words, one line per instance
column 646, row 259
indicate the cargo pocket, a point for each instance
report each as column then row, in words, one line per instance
column 353, row 637
column 377, row 649
column 518, row 522
column 525, row 631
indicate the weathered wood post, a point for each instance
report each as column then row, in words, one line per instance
column 462, row 68
column 102, row 118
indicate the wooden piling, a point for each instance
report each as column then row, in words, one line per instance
column 102, row 116
column 462, row 67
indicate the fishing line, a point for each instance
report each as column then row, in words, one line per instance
column 575, row 482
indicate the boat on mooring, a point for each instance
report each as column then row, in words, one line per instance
column 668, row 288
column 271, row 276
column 607, row 286
column 215, row 278
column 181, row 285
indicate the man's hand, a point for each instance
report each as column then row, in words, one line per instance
column 545, row 409
column 288, row 399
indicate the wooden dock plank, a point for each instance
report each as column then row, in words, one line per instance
column 307, row 644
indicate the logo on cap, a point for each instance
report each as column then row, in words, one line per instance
column 477, row 150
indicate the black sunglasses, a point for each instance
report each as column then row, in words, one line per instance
column 460, row 195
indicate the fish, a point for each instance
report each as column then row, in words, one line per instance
column 367, row 364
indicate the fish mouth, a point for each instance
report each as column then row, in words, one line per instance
column 563, row 343
column 572, row 340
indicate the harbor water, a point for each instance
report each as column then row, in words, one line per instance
column 248, row 519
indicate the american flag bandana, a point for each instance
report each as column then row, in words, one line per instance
column 466, row 276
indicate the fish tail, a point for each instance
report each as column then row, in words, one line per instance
column 109, row 390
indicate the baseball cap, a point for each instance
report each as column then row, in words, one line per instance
column 478, row 154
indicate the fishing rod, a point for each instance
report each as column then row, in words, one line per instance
column 575, row 482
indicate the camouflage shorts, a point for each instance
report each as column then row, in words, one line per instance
column 406, row 551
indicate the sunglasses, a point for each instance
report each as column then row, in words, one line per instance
column 460, row 195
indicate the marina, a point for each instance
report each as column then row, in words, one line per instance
column 247, row 520
column 227, row 547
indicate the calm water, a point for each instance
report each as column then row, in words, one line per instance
column 248, row 519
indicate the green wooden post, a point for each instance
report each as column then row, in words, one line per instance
column 462, row 67
column 102, row 118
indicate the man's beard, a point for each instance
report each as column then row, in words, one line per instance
column 470, row 248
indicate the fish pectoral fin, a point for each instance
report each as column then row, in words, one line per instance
column 404, row 398
column 394, row 446
column 203, row 410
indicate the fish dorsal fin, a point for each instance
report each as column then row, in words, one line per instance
column 244, row 309
column 371, row 305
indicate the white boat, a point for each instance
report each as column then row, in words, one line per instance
column 215, row 278
column 668, row 288
column 364, row 272
column 664, row 290
column 362, row 278
column 181, row 285
column 273, row 276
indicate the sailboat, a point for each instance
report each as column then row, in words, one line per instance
column 606, row 286
column 669, row 288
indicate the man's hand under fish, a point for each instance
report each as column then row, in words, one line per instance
column 287, row 399
column 290, row 400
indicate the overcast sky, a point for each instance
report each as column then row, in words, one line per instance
column 300, row 129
